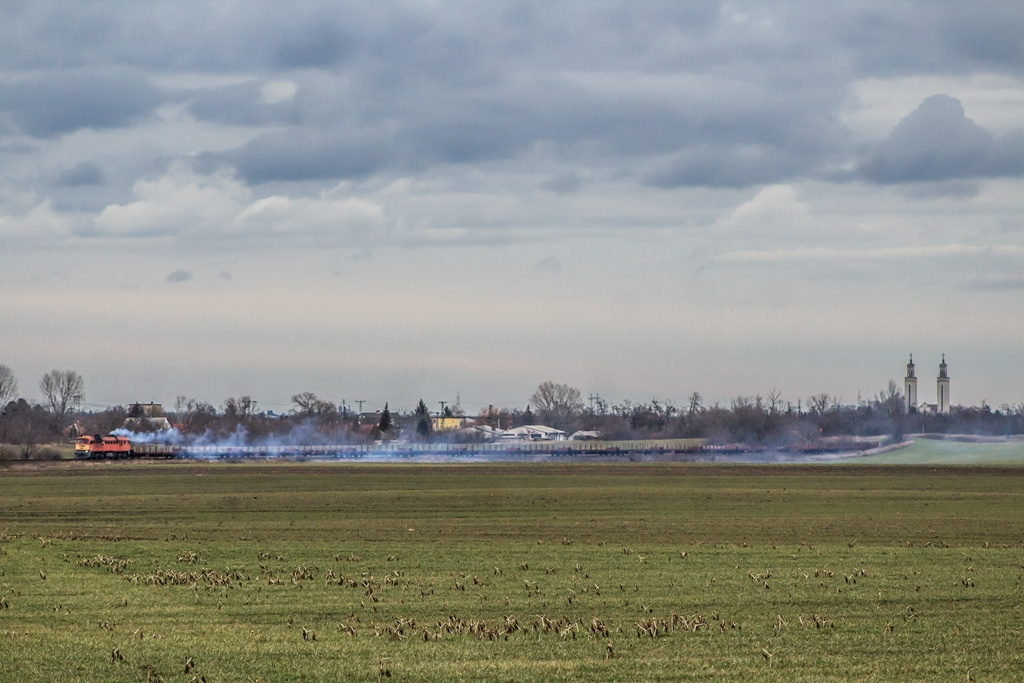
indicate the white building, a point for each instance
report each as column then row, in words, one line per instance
column 910, row 386
column 537, row 433
column 585, row 436
column 942, row 388
column 941, row 406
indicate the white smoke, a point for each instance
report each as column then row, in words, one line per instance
column 167, row 436
column 302, row 434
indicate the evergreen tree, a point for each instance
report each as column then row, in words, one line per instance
column 385, row 420
column 423, row 426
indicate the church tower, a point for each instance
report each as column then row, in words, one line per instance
column 943, row 388
column 910, row 387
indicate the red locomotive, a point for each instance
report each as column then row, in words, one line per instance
column 96, row 446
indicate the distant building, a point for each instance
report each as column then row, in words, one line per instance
column 941, row 406
column 445, row 424
column 146, row 417
column 942, row 388
column 485, row 433
column 537, row 433
column 146, row 410
column 585, row 436
column 527, row 433
column 910, row 386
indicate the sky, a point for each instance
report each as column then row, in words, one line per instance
column 394, row 201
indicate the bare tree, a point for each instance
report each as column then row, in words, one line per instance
column 822, row 403
column 826, row 412
column 8, row 385
column 487, row 416
column 194, row 415
column 306, row 403
column 25, row 425
column 62, row 391
column 242, row 407
column 180, row 406
column 557, row 403
column 891, row 402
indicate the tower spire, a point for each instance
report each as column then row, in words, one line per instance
column 910, row 387
column 942, row 388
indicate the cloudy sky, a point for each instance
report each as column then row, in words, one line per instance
column 388, row 201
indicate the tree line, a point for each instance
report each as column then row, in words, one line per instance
column 26, row 425
column 761, row 420
column 751, row 421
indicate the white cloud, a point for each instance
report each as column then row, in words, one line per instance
column 178, row 203
column 39, row 223
column 275, row 92
column 352, row 218
column 774, row 216
column 876, row 105
column 771, row 203
column 217, row 208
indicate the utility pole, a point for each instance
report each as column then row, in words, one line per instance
column 443, row 403
column 360, row 402
column 593, row 397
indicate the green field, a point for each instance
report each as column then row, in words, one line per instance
column 510, row 572
column 939, row 452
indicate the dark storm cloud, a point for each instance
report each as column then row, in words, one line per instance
column 242, row 105
column 677, row 94
column 81, row 174
column 196, row 36
column 320, row 43
column 937, row 141
column 299, row 155
column 416, row 90
column 988, row 33
column 563, row 183
column 732, row 167
column 52, row 104
column 349, row 132
column 892, row 39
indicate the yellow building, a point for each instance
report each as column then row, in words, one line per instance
column 445, row 424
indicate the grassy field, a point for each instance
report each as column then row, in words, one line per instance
column 938, row 452
column 516, row 572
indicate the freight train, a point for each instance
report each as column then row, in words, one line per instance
column 110, row 447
